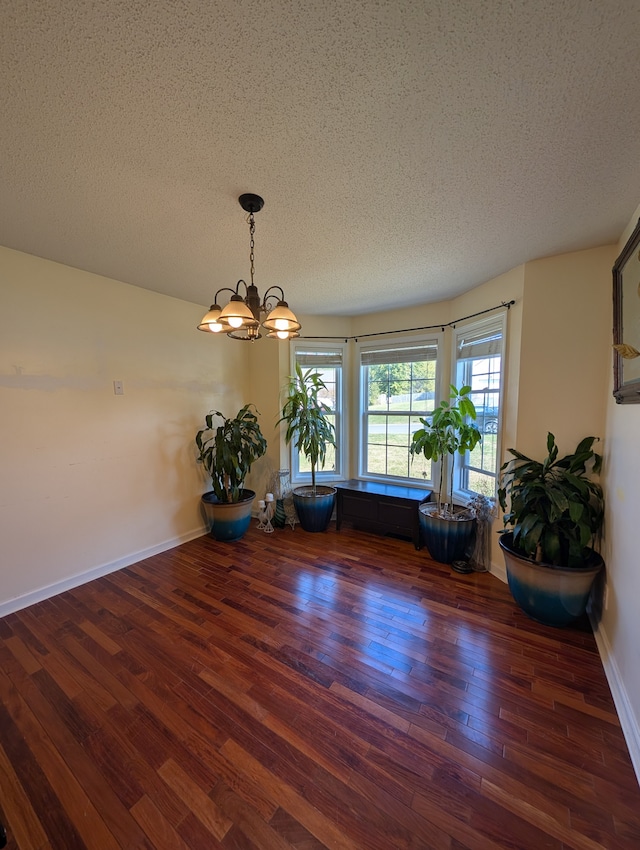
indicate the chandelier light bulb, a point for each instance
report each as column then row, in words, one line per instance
column 280, row 318
column 235, row 321
column 282, row 334
column 210, row 322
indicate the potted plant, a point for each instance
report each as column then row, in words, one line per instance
column 227, row 451
column 311, row 431
column 555, row 511
column 451, row 428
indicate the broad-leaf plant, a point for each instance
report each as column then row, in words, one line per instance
column 449, row 429
column 555, row 507
column 227, row 450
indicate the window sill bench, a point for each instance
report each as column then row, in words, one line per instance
column 380, row 507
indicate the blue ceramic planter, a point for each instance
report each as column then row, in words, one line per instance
column 447, row 540
column 228, row 521
column 314, row 512
column 555, row 596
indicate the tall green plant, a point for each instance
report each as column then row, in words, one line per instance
column 308, row 427
column 556, row 509
column 448, row 431
column 228, row 450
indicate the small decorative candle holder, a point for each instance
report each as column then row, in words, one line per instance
column 261, row 514
column 265, row 514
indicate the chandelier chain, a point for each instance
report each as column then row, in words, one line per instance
column 252, row 230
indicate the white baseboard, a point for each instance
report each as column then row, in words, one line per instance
column 630, row 728
column 20, row 602
column 499, row 571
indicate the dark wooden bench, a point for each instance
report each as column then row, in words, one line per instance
column 384, row 508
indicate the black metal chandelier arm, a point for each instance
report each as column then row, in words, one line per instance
column 267, row 295
column 225, row 289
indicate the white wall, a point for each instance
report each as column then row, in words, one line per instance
column 619, row 629
column 91, row 480
column 565, row 349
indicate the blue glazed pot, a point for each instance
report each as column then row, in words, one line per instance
column 555, row 596
column 314, row 512
column 228, row 520
column 447, row 540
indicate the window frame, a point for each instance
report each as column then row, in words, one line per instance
column 397, row 344
column 299, row 477
column 497, row 323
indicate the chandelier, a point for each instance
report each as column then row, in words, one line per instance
column 246, row 314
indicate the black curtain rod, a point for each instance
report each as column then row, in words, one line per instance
column 443, row 325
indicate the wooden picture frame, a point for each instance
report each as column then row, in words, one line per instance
column 626, row 322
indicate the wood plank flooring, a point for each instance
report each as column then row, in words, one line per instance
column 306, row 691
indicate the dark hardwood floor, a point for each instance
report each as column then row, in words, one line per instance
column 306, row 691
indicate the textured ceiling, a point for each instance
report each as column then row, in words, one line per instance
column 406, row 151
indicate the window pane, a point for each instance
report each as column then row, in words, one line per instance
column 420, row 468
column 397, row 461
column 377, row 459
column 481, row 483
column 398, row 430
column 328, row 395
column 378, row 397
column 377, row 429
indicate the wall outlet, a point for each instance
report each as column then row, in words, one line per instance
column 118, row 388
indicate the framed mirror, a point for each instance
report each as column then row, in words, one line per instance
column 626, row 322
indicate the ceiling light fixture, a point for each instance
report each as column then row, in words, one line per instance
column 242, row 317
